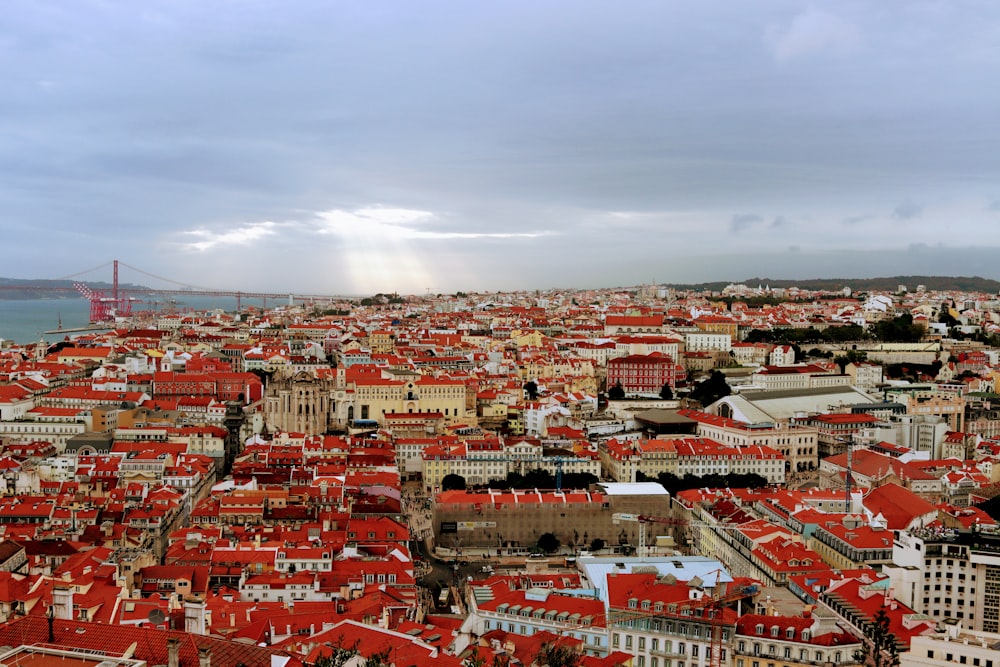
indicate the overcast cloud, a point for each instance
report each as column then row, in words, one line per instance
column 355, row 147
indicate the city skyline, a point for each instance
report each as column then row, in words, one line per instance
column 445, row 146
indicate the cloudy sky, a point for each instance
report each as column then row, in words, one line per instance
column 355, row 147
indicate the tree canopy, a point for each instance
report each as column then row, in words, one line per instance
column 543, row 479
column 709, row 391
column 674, row 484
column 880, row 648
column 557, row 655
column 453, row 482
column 548, row 543
column 844, row 334
column 899, row 329
column 531, row 388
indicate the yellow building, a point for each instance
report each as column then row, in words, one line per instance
column 531, row 338
column 376, row 397
column 381, row 341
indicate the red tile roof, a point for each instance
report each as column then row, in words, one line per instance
column 149, row 644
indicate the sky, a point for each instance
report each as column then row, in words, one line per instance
column 334, row 147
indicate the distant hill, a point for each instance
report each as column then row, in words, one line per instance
column 890, row 284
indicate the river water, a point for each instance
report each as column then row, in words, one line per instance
column 23, row 321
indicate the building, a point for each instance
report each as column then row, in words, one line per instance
column 512, row 521
column 645, row 374
column 836, row 431
column 865, row 375
column 796, row 442
column 681, row 456
column 949, row 574
column 922, row 400
column 956, row 645
column 528, row 607
column 804, row 376
column 792, row 641
column 665, row 620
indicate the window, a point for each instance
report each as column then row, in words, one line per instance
column 628, row 641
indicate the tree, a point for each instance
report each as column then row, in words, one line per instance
column 474, row 659
column 557, row 655
column 531, row 388
column 879, row 649
column 666, row 393
column 379, row 659
column 596, row 544
column 710, row 390
column 539, row 478
column 899, row 330
column 850, row 357
column 945, row 316
column 578, row 480
column 453, row 482
column 548, row 543
column 616, row 393
column 340, row 656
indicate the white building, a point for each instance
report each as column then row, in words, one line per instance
column 702, row 341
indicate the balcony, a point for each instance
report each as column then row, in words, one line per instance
column 672, row 654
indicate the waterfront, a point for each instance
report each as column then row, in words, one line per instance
column 23, row 321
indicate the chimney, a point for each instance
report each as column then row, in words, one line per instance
column 205, row 657
column 194, row 616
column 62, row 602
column 173, row 652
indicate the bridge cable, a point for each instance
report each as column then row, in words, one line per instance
column 80, row 273
column 172, row 282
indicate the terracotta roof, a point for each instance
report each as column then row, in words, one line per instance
column 150, row 644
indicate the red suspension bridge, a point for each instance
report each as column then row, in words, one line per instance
column 106, row 305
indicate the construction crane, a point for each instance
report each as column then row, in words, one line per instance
column 102, row 307
column 643, row 519
column 714, row 610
